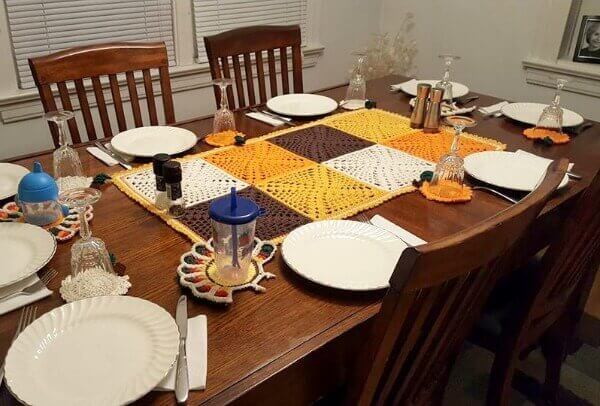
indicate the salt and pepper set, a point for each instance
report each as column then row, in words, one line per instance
column 168, row 193
column 428, row 108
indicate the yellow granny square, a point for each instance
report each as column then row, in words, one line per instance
column 322, row 193
column 372, row 125
column 257, row 161
column 432, row 146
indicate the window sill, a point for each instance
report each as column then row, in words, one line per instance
column 585, row 78
column 26, row 105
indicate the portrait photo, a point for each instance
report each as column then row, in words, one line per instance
column 588, row 41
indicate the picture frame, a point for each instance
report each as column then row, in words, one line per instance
column 587, row 49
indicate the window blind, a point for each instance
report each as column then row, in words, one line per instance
column 215, row 16
column 40, row 27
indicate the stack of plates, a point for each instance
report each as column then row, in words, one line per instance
column 302, row 105
column 10, row 176
column 529, row 113
column 148, row 141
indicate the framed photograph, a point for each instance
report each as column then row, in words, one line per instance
column 588, row 41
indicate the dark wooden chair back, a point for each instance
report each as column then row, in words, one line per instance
column 95, row 61
column 436, row 292
column 251, row 42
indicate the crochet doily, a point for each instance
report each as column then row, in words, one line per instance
column 372, row 125
column 73, row 182
column 93, row 282
column 446, row 191
column 63, row 231
column 198, row 271
column 541, row 133
column 380, row 166
column 221, row 139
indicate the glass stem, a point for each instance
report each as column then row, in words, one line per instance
column 556, row 100
column 224, row 101
column 456, row 140
column 62, row 132
column 84, row 227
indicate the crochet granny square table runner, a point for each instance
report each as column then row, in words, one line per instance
column 332, row 168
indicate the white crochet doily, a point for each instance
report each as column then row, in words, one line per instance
column 73, row 182
column 382, row 167
column 202, row 181
column 93, row 282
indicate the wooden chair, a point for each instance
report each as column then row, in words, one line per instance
column 436, row 293
column 548, row 311
column 94, row 61
column 254, row 41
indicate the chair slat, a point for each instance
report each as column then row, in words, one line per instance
column 297, row 69
column 249, row 79
column 260, row 68
column 272, row 72
column 167, row 99
column 134, row 99
column 85, row 109
column 150, row 97
column 117, row 102
column 239, row 84
column 285, row 80
column 65, row 101
column 49, row 104
column 101, row 104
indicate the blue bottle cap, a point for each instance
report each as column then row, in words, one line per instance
column 37, row 186
column 232, row 209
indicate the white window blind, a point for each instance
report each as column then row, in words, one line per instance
column 215, row 16
column 40, row 27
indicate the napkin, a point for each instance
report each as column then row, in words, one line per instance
column 398, row 86
column 196, row 351
column 409, row 238
column 265, row 119
column 102, row 156
column 537, row 158
column 494, row 107
column 13, row 303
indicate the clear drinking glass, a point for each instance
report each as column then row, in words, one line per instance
column 445, row 83
column 356, row 93
column 224, row 119
column 552, row 115
column 88, row 252
column 451, row 166
column 68, row 170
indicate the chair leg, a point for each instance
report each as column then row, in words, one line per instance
column 554, row 350
column 500, row 384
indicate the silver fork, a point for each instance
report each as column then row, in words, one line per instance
column 28, row 315
column 30, row 290
column 364, row 219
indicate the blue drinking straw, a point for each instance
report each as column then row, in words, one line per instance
column 236, row 262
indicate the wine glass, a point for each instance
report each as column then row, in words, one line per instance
column 357, row 87
column 87, row 253
column 552, row 115
column 224, row 119
column 68, row 170
column 445, row 83
column 451, row 166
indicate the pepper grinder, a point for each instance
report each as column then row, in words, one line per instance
column 432, row 119
column 417, row 117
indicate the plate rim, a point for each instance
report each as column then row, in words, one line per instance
column 282, row 96
column 402, row 86
column 512, row 117
column 58, row 313
column 147, row 155
column 10, row 164
column 42, row 263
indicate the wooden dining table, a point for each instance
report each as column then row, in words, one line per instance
column 298, row 339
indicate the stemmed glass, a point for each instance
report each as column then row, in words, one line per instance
column 552, row 115
column 224, row 119
column 68, row 170
column 445, row 83
column 87, row 253
column 451, row 166
column 357, row 87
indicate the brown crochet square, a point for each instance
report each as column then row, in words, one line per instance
column 320, row 143
column 277, row 221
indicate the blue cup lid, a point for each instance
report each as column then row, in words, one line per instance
column 232, row 209
column 37, row 186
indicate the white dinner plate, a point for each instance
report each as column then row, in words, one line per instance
column 529, row 113
column 509, row 170
column 302, row 105
column 10, row 176
column 24, row 249
column 410, row 87
column 105, row 350
column 149, row 141
column 343, row 254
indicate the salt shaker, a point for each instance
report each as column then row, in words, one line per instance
column 172, row 175
column 160, row 200
column 418, row 114
column 432, row 119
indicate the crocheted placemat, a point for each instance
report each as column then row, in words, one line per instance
column 332, row 168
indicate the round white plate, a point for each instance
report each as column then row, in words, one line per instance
column 149, row 141
column 458, row 89
column 302, row 105
column 106, row 350
column 343, row 254
column 529, row 113
column 509, row 170
column 24, row 249
column 10, row 176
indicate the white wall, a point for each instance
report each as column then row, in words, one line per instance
column 492, row 36
column 341, row 26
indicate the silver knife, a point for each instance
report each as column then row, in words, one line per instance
column 182, row 385
column 277, row 116
column 112, row 154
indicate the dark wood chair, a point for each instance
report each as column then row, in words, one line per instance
column 225, row 50
column 550, row 305
column 436, row 294
column 93, row 62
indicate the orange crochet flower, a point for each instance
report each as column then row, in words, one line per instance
column 446, row 191
column 541, row 133
column 221, row 139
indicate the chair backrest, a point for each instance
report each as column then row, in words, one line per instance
column 250, row 42
column 436, row 292
column 93, row 62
